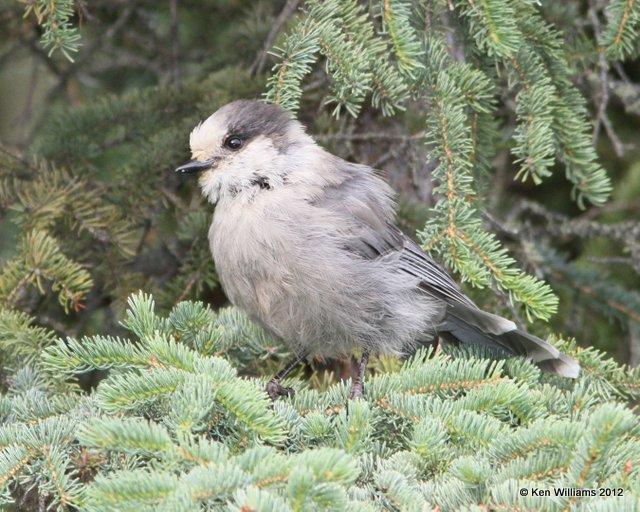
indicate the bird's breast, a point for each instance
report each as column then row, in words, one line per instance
column 249, row 247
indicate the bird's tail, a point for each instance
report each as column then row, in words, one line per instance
column 467, row 325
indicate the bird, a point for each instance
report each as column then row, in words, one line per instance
column 306, row 244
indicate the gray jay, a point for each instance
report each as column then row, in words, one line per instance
column 305, row 243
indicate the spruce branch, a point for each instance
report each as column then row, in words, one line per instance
column 54, row 17
column 341, row 31
column 21, row 341
column 455, row 231
column 404, row 40
column 127, row 435
column 56, row 197
column 619, row 36
column 158, row 367
column 40, row 262
column 492, row 23
column 173, row 430
column 295, row 57
column 534, row 136
column 543, row 61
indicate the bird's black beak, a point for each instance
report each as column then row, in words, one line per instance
column 195, row 166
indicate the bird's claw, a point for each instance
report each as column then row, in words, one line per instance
column 357, row 392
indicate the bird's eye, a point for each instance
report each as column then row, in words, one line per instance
column 234, row 142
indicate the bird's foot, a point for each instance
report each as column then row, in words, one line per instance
column 357, row 384
column 357, row 391
column 274, row 390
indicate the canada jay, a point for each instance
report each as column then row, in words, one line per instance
column 306, row 244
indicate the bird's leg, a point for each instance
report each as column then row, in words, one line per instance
column 274, row 389
column 357, row 387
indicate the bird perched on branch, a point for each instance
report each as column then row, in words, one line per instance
column 305, row 243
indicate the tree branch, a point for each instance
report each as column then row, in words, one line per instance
column 287, row 11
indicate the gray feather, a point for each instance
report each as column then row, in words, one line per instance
column 477, row 327
column 306, row 244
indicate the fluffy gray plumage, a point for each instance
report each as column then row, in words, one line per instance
column 306, row 244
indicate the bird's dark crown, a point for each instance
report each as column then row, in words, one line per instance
column 249, row 118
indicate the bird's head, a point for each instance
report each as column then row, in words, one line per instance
column 242, row 147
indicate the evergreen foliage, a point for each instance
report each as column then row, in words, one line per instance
column 40, row 262
column 174, row 427
column 55, row 19
column 619, row 37
column 113, row 400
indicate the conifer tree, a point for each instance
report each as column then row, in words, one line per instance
column 115, row 399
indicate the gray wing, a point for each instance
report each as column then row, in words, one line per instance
column 366, row 201
column 434, row 279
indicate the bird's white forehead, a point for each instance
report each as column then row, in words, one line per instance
column 208, row 134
